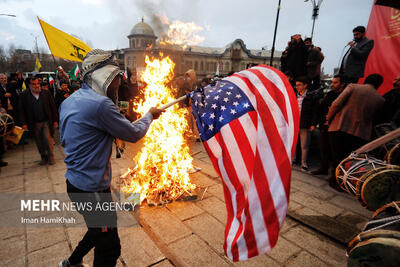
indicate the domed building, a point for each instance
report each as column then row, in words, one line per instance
column 204, row 60
column 141, row 36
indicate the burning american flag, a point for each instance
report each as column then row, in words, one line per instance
column 249, row 124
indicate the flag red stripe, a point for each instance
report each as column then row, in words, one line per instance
column 273, row 91
column 244, row 145
column 293, row 103
column 240, row 198
column 264, row 193
column 247, row 155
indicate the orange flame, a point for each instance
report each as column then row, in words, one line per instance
column 163, row 164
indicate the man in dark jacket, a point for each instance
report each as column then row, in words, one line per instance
column 353, row 63
column 296, row 57
column 307, row 103
column 62, row 93
column 313, row 64
column 391, row 110
column 337, row 87
column 38, row 114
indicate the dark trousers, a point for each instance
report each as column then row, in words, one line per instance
column 104, row 240
column 342, row 144
column 325, row 150
column 43, row 140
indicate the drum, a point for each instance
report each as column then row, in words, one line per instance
column 379, row 242
column 393, row 156
column 379, row 187
column 372, row 181
column 352, row 168
column 6, row 124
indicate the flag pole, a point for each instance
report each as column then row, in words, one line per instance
column 182, row 98
column 276, row 27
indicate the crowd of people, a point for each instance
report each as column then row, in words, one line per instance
column 347, row 114
column 33, row 104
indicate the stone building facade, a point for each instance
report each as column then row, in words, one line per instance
column 204, row 60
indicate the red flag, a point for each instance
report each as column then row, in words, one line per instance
column 384, row 29
column 249, row 124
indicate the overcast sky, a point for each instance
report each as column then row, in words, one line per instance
column 106, row 23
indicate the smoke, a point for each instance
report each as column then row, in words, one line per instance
column 151, row 11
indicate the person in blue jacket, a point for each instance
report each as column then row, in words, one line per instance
column 89, row 122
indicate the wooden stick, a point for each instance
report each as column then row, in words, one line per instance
column 174, row 102
column 379, row 142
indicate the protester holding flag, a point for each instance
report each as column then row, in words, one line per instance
column 62, row 93
column 89, row 122
column 74, row 73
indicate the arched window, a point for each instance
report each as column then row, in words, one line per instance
column 134, row 62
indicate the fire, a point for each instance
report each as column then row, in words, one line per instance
column 163, row 164
column 181, row 33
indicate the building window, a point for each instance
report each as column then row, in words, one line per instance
column 134, row 62
column 227, row 69
column 196, row 65
column 189, row 64
column 129, row 62
column 201, row 66
column 214, row 66
column 209, row 66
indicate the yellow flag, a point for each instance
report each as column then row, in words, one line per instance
column 64, row 45
column 23, row 86
column 37, row 65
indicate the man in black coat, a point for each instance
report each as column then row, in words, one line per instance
column 391, row 110
column 8, row 95
column 313, row 64
column 353, row 63
column 296, row 57
column 38, row 114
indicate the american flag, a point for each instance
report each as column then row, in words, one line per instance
column 248, row 123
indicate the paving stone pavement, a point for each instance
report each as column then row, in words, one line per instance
column 182, row 233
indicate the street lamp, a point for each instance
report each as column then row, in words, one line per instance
column 276, row 27
column 36, row 45
column 316, row 4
